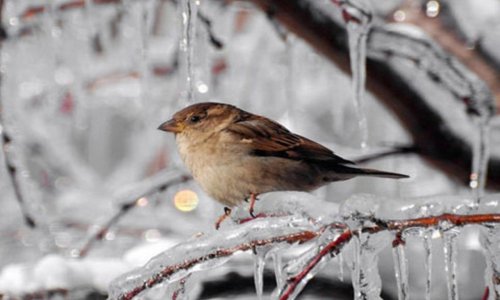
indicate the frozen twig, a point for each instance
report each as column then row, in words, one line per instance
column 35, row 10
column 256, row 238
column 6, row 145
column 445, row 31
column 164, row 273
column 131, row 198
column 396, row 150
column 398, row 226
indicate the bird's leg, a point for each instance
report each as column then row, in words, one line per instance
column 253, row 198
column 227, row 213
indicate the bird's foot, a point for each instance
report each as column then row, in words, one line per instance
column 253, row 198
column 227, row 213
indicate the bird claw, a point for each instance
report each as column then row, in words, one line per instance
column 252, row 213
column 252, row 199
column 227, row 213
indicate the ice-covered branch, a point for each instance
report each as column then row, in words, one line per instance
column 398, row 226
column 7, row 149
column 133, row 196
column 370, row 224
column 208, row 252
column 35, row 10
column 434, row 136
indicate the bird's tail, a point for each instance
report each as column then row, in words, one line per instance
column 367, row 172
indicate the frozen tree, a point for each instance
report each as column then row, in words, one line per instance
column 96, row 202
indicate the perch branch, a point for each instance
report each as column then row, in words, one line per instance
column 431, row 134
column 332, row 248
column 299, row 237
column 398, row 226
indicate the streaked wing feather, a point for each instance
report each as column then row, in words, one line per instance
column 269, row 138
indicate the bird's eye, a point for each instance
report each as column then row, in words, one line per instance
column 195, row 119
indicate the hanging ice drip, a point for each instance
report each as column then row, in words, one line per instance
column 358, row 17
column 189, row 16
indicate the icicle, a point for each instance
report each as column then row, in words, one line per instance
column 355, row 269
column 297, row 265
column 278, row 269
column 358, row 25
column 428, row 263
column 364, row 265
column 341, row 266
column 491, row 243
column 450, row 263
column 145, row 21
column 179, row 289
column 480, row 158
column 258, row 274
column 401, row 270
column 189, row 14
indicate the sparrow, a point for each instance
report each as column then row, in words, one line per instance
column 236, row 155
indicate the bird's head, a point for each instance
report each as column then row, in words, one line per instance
column 201, row 118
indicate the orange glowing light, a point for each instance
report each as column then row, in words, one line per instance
column 142, row 202
column 186, row 200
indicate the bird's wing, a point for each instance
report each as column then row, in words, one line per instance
column 268, row 138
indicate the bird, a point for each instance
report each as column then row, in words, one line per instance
column 236, row 155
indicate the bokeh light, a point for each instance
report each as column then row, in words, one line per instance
column 186, row 200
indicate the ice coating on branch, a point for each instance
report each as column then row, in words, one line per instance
column 367, row 206
column 295, row 267
column 450, row 262
column 406, row 41
column 288, row 203
column 206, row 252
column 491, row 243
column 149, row 185
column 358, row 21
column 401, row 270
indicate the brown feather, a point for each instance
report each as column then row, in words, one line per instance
column 269, row 138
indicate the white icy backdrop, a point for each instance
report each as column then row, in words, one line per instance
column 84, row 90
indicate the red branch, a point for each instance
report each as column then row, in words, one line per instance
column 33, row 11
column 300, row 237
column 332, row 248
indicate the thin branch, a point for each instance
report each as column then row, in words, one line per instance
column 397, row 150
column 36, row 10
column 127, row 206
column 332, row 248
column 299, row 237
column 335, row 246
column 446, row 32
column 6, row 143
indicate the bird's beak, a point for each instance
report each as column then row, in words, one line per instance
column 171, row 126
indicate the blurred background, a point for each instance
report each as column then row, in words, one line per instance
column 85, row 84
